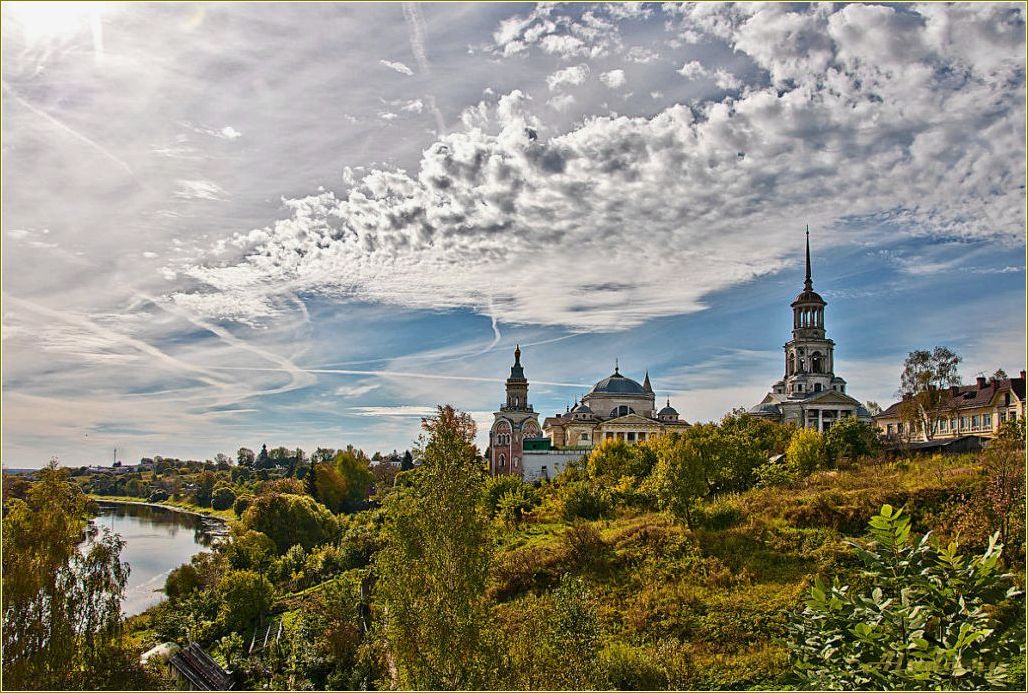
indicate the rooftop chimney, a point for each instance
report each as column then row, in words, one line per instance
column 954, row 390
column 1022, row 375
column 981, row 382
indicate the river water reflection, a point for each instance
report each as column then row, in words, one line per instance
column 157, row 540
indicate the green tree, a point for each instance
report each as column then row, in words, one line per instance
column 245, row 457
column 62, row 599
column 407, row 463
column 516, row 504
column 806, row 453
column 246, row 596
column 678, row 480
column 432, row 571
column 352, row 465
column 182, row 581
column 852, row 438
column 923, row 385
column 204, row 488
column 614, row 459
column 223, row 498
column 496, row 487
column 250, row 550
column 927, row 619
column 290, row 519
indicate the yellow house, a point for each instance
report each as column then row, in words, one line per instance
column 977, row 409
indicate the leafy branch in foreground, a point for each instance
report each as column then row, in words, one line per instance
column 929, row 618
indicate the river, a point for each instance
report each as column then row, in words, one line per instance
column 157, row 540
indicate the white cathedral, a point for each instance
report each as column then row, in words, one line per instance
column 810, row 395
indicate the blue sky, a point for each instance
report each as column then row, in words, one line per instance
column 307, row 224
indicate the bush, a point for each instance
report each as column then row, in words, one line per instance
column 926, row 620
column 290, row 519
column 514, row 505
column 241, row 504
column 720, row 514
column 181, row 581
column 246, row 596
column 581, row 500
column 622, row 667
column 495, row 488
column 852, row 438
column 771, row 474
column 223, row 498
column 806, row 453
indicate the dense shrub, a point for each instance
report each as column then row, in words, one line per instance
column 241, row 504
column 223, row 498
column 580, row 499
column 245, row 597
column 290, row 519
column 496, row 487
column 851, row 438
column 623, row 667
column 181, row 581
column 719, row 514
column 806, row 453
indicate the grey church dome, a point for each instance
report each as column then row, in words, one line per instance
column 668, row 411
column 618, row 384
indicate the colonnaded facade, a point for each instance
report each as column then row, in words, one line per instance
column 617, row 407
column 810, row 395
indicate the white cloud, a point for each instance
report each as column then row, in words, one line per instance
column 693, row 70
column 613, row 79
column 561, row 102
column 199, row 190
column 397, row 67
column 413, row 106
column 678, row 193
column 569, row 76
column 724, row 79
column 641, row 55
column 230, row 133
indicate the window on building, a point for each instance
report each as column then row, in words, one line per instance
column 609, row 435
column 953, row 424
column 817, row 387
column 976, row 421
column 816, row 362
column 942, row 424
column 987, row 420
column 631, row 436
column 1006, row 399
column 585, row 436
column 889, row 429
column 965, row 422
column 1002, row 416
column 899, row 428
column 799, row 387
column 642, row 436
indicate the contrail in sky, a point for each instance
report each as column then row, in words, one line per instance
column 61, row 126
column 392, row 374
column 416, row 35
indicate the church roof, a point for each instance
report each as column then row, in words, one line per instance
column 668, row 410
column 617, row 384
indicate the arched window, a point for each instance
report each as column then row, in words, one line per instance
column 816, row 363
column 792, row 363
column 622, row 410
column 817, row 387
column 503, row 461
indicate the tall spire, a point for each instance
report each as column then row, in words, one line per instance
column 808, row 285
column 517, row 347
column 616, row 371
column 646, row 382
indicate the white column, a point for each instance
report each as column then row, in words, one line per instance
column 820, row 420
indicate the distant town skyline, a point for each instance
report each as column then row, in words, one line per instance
column 308, row 224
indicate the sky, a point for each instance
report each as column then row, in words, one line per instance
column 306, row 225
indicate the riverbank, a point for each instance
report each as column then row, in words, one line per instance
column 221, row 516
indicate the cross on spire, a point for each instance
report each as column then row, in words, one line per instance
column 616, row 372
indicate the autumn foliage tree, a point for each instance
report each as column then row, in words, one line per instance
column 923, row 385
column 432, row 572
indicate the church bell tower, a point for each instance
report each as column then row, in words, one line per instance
column 809, row 354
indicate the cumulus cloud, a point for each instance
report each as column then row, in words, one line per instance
column 230, row 133
column 569, row 76
column 693, row 70
column 654, row 213
column 397, row 67
column 613, row 79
